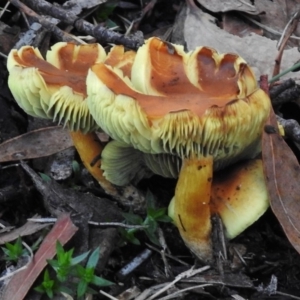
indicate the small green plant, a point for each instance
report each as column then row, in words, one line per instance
column 14, row 251
column 45, row 177
column 48, row 286
column 150, row 223
column 104, row 11
column 87, row 276
column 67, row 267
column 64, row 262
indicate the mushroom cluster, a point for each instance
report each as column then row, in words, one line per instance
column 55, row 89
column 169, row 112
column 202, row 107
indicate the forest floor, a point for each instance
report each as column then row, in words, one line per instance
column 51, row 182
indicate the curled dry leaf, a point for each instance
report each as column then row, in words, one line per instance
column 282, row 173
column 34, row 144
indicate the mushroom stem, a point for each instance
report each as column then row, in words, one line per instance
column 190, row 207
column 89, row 148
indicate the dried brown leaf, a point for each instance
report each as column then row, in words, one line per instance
column 27, row 229
column 34, row 144
column 200, row 28
column 21, row 282
column 229, row 5
column 277, row 15
column 282, row 173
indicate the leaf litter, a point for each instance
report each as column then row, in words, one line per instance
column 198, row 27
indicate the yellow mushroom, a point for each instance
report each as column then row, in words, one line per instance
column 203, row 107
column 55, row 88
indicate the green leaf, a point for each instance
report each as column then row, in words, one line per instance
column 80, row 271
column 152, row 237
column 132, row 219
column 151, row 224
column 48, row 285
column 150, row 200
column 93, row 259
column 49, row 293
column 53, row 263
column 157, row 213
column 14, row 251
column 45, row 177
column 78, row 259
column 129, row 236
column 76, row 167
column 40, row 289
column 165, row 219
column 111, row 24
column 81, row 288
column 46, row 276
column 66, row 290
column 101, row 281
column 89, row 274
column 105, row 9
column 59, row 249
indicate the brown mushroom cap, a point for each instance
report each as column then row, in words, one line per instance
column 56, row 88
column 222, row 116
column 121, row 59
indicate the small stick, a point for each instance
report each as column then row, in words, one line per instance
column 102, row 34
column 277, row 90
column 58, row 33
column 290, row 28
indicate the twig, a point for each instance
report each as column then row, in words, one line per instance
column 288, row 95
column 240, row 256
column 117, row 224
column 134, row 263
column 168, row 255
column 189, row 273
column 101, row 224
column 287, row 295
column 289, row 29
column 164, row 246
column 176, row 294
column 291, row 69
column 4, row 9
column 286, row 28
column 107, row 295
column 267, row 28
column 58, row 33
column 101, row 34
column 3, row 55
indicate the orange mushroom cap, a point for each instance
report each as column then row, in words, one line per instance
column 195, row 103
column 56, row 87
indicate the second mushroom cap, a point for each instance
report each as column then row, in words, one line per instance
column 202, row 106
